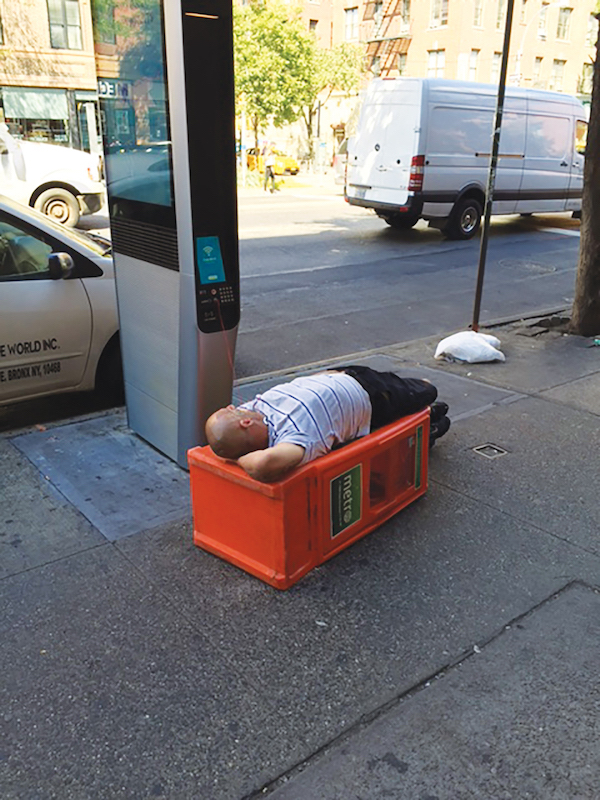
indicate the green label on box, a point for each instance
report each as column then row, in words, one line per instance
column 346, row 500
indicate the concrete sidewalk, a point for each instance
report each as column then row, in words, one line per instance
column 453, row 653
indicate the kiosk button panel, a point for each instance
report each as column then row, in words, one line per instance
column 226, row 294
column 217, row 300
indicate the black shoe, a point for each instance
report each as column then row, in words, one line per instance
column 438, row 410
column 438, row 429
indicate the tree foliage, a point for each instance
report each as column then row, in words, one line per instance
column 281, row 72
column 331, row 70
column 269, row 43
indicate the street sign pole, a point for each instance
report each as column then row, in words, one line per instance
column 492, row 168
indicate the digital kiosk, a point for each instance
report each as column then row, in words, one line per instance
column 167, row 110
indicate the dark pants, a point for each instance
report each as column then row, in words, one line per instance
column 391, row 396
column 269, row 176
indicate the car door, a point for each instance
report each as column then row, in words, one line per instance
column 45, row 324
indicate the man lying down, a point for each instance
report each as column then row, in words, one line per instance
column 296, row 422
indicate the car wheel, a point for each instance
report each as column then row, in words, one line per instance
column 109, row 373
column 60, row 205
column 401, row 222
column 464, row 220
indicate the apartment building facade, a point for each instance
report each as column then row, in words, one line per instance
column 552, row 43
column 49, row 63
column 48, row 88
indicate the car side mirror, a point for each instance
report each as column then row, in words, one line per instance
column 3, row 148
column 60, row 265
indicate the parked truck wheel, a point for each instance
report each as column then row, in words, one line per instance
column 401, row 222
column 464, row 221
column 60, row 205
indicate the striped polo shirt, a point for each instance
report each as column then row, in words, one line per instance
column 316, row 412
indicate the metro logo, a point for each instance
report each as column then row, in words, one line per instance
column 346, row 500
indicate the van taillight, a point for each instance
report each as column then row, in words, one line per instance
column 417, row 168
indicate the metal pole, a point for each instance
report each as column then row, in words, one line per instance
column 493, row 164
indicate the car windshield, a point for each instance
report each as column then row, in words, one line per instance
column 97, row 244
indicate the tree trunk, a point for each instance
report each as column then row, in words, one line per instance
column 255, row 129
column 308, row 121
column 585, row 317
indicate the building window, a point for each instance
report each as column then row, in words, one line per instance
column 564, row 19
column 402, row 64
column 542, row 21
column 478, row 14
column 501, row 14
column 436, row 63
column 405, row 15
column 586, row 80
column 558, row 72
column 537, row 70
column 65, row 24
column 523, row 11
column 439, row 13
column 376, row 66
column 312, row 25
column 473, row 62
column 1, row 32
column 351, row 23
column 496, row 62
column 377, row 19
column 592, row 31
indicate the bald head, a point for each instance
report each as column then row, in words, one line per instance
column 233, row 432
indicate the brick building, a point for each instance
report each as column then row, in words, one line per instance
column 48, row 89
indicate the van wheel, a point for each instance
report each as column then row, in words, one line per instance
column 401, row 222
column 464, row 220
column 60, row 205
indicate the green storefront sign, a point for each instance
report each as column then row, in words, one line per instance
column 346, row 500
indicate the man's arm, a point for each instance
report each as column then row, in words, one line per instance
column 273, row 463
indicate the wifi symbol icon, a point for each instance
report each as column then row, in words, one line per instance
column 207, row 250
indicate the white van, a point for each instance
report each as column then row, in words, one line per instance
column 422, row 150
column 61, row 182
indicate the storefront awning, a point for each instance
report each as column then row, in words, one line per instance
column 21, row 103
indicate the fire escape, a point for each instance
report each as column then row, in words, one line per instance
column 390, row 36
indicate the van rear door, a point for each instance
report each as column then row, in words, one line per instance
column 380, row 154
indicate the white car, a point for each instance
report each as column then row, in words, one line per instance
column 59, row 327
column 61, row 182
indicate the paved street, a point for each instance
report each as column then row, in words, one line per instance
column 324, row 279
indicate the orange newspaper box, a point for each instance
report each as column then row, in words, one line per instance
column 280, row 531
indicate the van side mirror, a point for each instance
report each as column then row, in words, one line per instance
column 3, row 148
column 60, row 265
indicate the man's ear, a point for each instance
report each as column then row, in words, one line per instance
column 245, row 422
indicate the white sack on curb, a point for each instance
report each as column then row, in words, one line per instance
column 469, row 346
